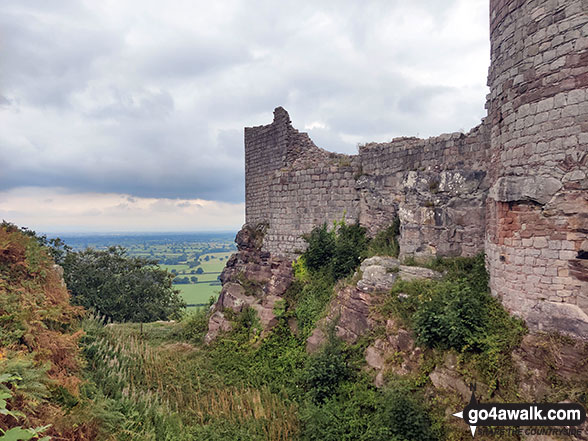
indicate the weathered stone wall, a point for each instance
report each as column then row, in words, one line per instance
column 538, row 204
column 307, row 194
column 264, row 153
column 437, row 187
column 304, row 188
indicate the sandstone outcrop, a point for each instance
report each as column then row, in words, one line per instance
column 379, row 273
column 251, row 279
column 351, row 308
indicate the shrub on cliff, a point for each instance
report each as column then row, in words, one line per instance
column 338, row 251
column 459, row 313
column 361, row 412
column 326, row 370
column 385, row 243
column 321, row 248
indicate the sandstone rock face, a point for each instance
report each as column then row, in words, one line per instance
column 395, row 353
column 351, row 310
column 447, row 378
column 351, row 306
column 543, row 359
column 251, row 279
column 442, row 212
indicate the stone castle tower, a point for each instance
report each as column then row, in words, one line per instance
column 537, row 209
column 515, row 187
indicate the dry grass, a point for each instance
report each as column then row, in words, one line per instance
column 168, row 376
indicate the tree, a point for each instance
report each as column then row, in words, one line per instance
column 120, row 287
column 199, row 271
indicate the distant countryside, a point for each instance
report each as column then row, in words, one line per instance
column 196, row 259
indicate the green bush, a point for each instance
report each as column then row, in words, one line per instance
column 338, row 251
column 310, row 299
column 321, row 248
column 120, row 287
column 459, row 313
column 385, row 243
column 456, row 312
column 194, row 325
column 350, row 246
column 452, row 317
column 326, row 370
column 362, row 413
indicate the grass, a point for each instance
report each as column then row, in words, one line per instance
column 200, row 293
column 175, row 384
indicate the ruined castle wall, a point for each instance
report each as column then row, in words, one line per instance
column 436, row 186
column 516, row 186
column 538, row 204
column 309, row 194
column 264, row 154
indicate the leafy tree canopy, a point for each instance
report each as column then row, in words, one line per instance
column 120, row 287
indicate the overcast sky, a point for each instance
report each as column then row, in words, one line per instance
column 128, row 115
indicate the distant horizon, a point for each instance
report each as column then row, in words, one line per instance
column 130, row 233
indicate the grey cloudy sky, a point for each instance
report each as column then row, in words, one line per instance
column 129, row 115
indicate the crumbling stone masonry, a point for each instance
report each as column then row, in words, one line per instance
column 516, row 186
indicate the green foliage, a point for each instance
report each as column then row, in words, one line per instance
column 401, row 414
column 338, row 251
column 321, row 248
column 8, row 381
column 459, row 313
column 360, row 412
column 350, row 246
column 119, row 287
column 300, row 269
column 451, row 316
column 309, row 298
column 194, row 325
column 174, row 391
column 20, row 434
column 223, row 430
column 385, row 243
column 326, row 370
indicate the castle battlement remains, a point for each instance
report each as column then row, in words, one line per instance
column 515, row 187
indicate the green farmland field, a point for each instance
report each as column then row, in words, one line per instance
column 196, row 294
column 200, row 293
column 184, row 253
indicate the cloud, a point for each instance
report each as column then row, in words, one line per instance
column 56, row 210
column 149, row 99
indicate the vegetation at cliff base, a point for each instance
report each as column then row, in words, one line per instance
column 338, row 251
column 385, row 242
column 458, row 313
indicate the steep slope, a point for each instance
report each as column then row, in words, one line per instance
column 39, row 332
